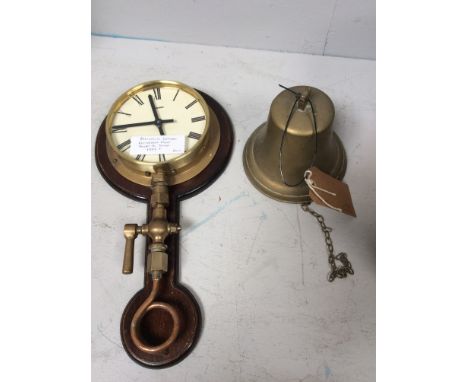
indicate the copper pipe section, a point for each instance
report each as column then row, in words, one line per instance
column 144, row 308
column 158, row 228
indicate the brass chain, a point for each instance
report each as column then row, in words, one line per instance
column 336, row 271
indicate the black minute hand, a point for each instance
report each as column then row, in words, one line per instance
column 123, row 127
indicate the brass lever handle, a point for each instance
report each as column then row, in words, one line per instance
column 131, row 231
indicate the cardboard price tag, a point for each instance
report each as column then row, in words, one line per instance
column 157, row 144
column 329, row 192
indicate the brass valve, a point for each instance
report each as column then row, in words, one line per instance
column 157, row 229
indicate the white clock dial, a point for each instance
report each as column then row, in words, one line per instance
column 178, row 113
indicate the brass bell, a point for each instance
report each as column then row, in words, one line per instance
column 297, row 135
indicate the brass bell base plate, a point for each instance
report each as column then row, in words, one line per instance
column 273, row 186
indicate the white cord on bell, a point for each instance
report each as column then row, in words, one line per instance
column 314, row 188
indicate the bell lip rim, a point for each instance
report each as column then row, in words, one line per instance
column 299, row 199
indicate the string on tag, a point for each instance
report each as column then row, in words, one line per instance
column 313, row 187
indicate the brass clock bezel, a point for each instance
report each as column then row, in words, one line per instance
column 179, row 169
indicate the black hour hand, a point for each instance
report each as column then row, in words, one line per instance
column 153, row 108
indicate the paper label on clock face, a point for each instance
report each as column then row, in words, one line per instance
column 157, row 144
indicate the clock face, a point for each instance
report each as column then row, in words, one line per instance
column 147, row 115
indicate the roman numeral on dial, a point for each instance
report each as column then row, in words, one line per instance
column 191, row 104
column 124, row 146
column 175, row 95
column 194, row 135
column 162, row 157
column 157, row 93
column 138, row 100
column 198, row 119
column 140, row 157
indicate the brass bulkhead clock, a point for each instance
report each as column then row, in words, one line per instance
column 165, row 109
column 160, row 143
